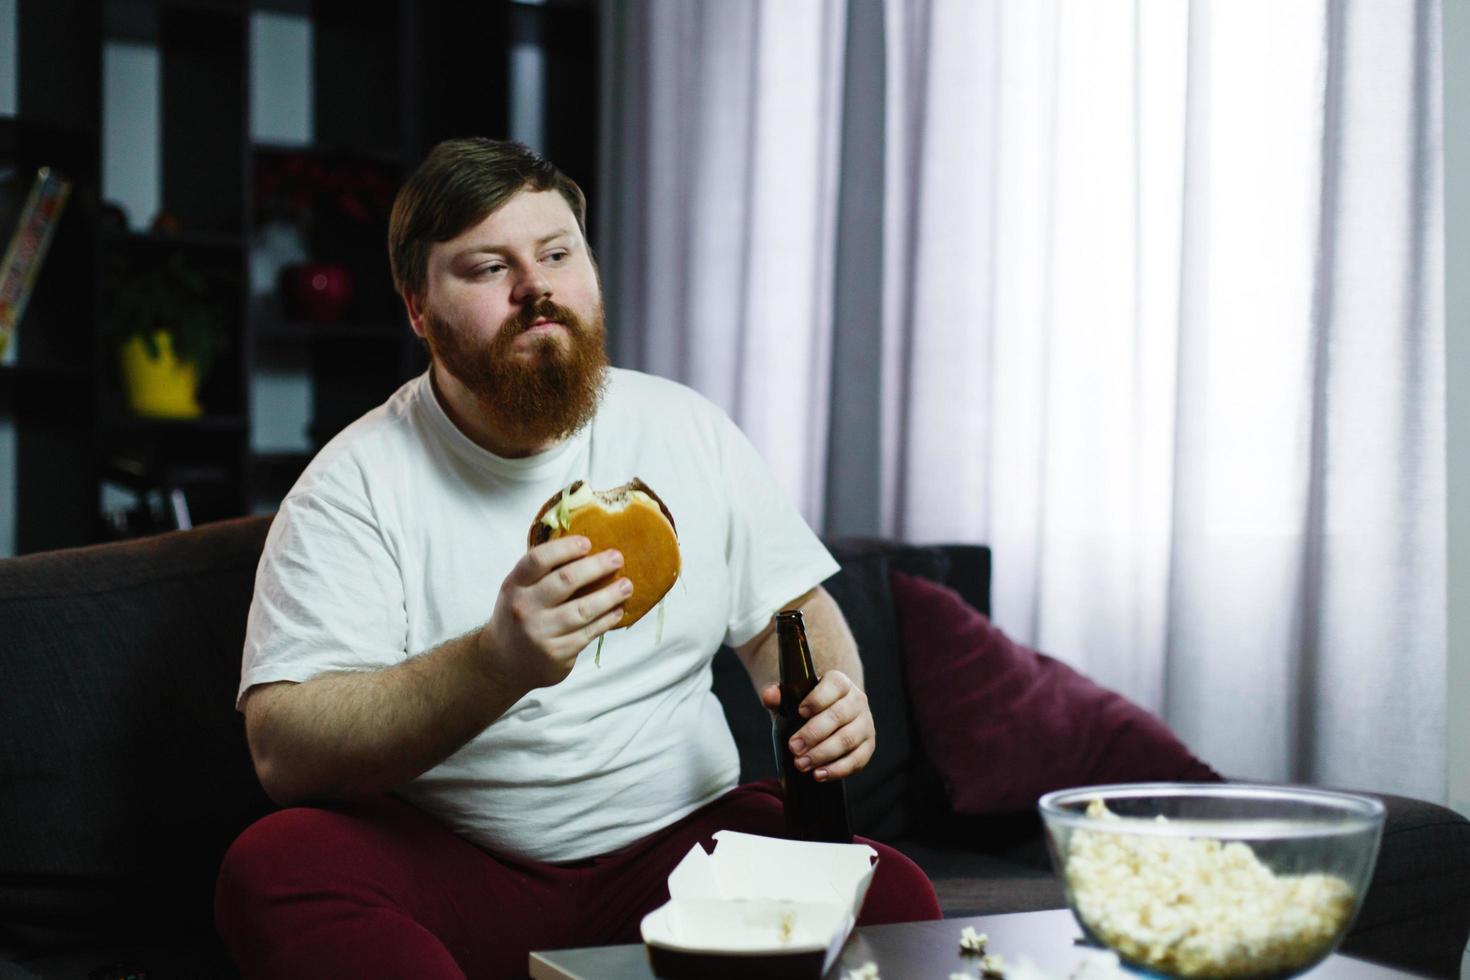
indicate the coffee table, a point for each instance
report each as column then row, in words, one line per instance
column 916, row 951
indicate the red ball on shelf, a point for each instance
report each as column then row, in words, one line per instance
column 316, row 292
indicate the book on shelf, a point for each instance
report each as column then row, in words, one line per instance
column 34, row 229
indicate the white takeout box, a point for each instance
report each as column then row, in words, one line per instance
column 788, row 904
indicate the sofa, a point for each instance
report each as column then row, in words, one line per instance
column 124, row 773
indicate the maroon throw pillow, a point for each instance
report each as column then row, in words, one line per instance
column 1004, row 724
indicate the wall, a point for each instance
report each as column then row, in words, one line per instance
column 1455, row 42
column 281, row 114
column 1456, row 36
column 527, row 83
column 7, row 430
column 7, row 58
column 132, row 139
column 132, row 155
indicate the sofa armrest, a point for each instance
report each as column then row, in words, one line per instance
column 1416, row 914
column 10, row 970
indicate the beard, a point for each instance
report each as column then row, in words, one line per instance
column 540, row 396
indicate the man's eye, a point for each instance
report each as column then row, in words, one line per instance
column 557, row 257
column 494, row 268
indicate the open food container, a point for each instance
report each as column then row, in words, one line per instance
column 758, row 906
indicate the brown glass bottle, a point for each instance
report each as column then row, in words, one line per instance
column 814, row 811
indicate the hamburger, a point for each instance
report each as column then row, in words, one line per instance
column 630, row 518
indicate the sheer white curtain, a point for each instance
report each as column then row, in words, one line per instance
column 1161, row 291
column 723, row 157
column 1163, row 324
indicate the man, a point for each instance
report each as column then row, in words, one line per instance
column 462, row 783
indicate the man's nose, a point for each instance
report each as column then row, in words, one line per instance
column 532, row 286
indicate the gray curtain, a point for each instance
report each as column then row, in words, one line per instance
column 719, row 269
column 1146, row 294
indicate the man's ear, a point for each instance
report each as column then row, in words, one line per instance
column 415, row 307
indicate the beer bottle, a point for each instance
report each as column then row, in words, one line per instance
column 814, row 811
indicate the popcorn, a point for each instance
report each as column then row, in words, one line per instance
column 1095, row 964
column 868, row 971
column 1198, row 907
column 786, row 925
column 992, row 967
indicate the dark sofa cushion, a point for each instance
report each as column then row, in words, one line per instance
column 124, row 774
column 878, row 796
column 1004, row 724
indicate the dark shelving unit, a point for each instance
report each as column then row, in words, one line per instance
column 49, row 396
column 390, row 79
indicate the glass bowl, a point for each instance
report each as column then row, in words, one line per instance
column 1213, row 879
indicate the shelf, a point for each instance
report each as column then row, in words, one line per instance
column 190, row 240
column 293, row 332
column 387, row 157
column 272, row 474
column 205, row 423
column 278, row 458
column 139, row 22
column 21, row 381
column 133, row 475
column 43, row 372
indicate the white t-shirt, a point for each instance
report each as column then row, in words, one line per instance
column 398, row 536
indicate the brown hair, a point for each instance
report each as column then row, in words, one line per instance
column 459, row 184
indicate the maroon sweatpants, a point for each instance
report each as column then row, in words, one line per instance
column 380, row 888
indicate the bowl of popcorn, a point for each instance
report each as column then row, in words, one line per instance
column 1214, row 879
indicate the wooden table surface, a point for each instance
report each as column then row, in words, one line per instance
column 918, row 951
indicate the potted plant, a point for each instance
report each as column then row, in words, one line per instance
column 167, row 324
column 339, row 205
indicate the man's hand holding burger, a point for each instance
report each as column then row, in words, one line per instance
column 543, row 619
column 596, row 560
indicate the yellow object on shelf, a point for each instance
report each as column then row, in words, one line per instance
column 162, row 387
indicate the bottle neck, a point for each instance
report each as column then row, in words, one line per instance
column 798, row 672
